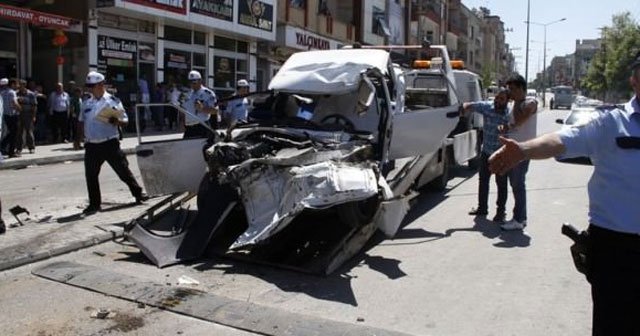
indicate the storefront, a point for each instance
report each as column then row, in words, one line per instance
column 217, row 38
column 44, row 43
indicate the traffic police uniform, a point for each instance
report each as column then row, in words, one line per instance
column 102, row 144
column 612, row 141
column 204, row 95
column 238, row 108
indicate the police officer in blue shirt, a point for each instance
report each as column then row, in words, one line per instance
column 612, row 141
column 238, row 108
column 101, row 115
column 202, row 104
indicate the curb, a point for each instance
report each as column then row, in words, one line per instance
column 23, row 163
column 54, row 252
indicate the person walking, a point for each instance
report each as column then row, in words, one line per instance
column 59, row 105
column 237, row 109
column 202, row 104
column 102, row 141
column 494, row 115
column 612, row 141
column 10, row 116
column 522, row 128
column 29, row 104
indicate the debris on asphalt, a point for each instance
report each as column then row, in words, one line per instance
column 18, row 210
column 185, row 280
column 141, row 305
column 360, row 319
column 98, row 253
column 102, row 314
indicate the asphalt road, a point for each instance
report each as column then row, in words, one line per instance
column 445, row 273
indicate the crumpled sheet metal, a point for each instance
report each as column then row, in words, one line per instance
column 275, row 196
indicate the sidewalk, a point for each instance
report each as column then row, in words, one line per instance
column 47, row 234
column 57, row 153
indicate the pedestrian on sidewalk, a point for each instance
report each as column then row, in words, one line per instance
column 11, row 115
column 29, row 104
column 43, row 120
column 612, row 141
column 172, row 113
column 59, row 106
column 102, row 141
column 75, row 110
column 522, row 128
column 202, row 104
column 494, row 115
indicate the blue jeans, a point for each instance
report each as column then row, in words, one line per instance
column 483, row 186
column 517, row 177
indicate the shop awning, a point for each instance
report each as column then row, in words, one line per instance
column 34, row 17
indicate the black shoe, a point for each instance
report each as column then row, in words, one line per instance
column 499, row 218
column 91, row 209
column 3, row 228
column 478, row 212
column 141, row 198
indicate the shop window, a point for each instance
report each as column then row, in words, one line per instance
column 176, row 34
column 242, row 65
column 224, row 43
column 147, row 27
column 225, row 73
column 8, row 40
column 298, row 3
column 199, row 60
column 199, row 38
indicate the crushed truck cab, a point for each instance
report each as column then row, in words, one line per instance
column 334, row 151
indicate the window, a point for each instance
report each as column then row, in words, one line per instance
column 224, row 43
column 199, row 38
column 298, row 3
column 176, row 34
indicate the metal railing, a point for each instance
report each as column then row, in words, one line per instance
column 177, row 107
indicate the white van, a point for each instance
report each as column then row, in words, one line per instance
column 532, row 93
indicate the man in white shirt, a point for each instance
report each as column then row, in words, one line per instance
column 59, row 105
column 522, row 128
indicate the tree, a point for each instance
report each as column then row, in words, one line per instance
column 608, row 74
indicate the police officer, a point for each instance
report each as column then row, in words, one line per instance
column 202, row 104
column 238, row 109
column 612, row 141
column 102, row 141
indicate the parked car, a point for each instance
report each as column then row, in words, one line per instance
column 580, row 116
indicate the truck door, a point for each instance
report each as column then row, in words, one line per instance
column 429, row 116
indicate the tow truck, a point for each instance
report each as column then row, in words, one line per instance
column 337, row 147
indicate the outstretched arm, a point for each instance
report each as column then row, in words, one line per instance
column 512, row 152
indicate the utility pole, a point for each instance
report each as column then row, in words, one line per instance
column 526, row 60
column 544, row 57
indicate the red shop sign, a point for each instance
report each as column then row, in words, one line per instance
column 34, row 17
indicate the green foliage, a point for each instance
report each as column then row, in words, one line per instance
column 609, row 71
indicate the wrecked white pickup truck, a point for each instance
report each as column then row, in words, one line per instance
column 329, row 157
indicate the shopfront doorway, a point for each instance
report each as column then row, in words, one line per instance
column 8, row 53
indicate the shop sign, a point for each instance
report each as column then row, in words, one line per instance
column 116, row 52
column 302, row 39
column 146, row 52
column 176, row 6
column 34, row 17
column 256, row 14
column 176, row 60
column 219, row 9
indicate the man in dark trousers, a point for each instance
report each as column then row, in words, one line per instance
column 101, row 115
column 11, row 116
column 612, row 141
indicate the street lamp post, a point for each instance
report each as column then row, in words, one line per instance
column 544, row 56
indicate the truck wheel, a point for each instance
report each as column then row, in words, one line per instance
column 440, row 183
column 357, row 214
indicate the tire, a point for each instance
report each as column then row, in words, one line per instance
column 439, row 184
column 359, row 213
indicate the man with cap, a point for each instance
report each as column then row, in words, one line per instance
column 612, row 141
column 10, row 116
column 202, row 104
column 238, row 108
column 101, row 115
